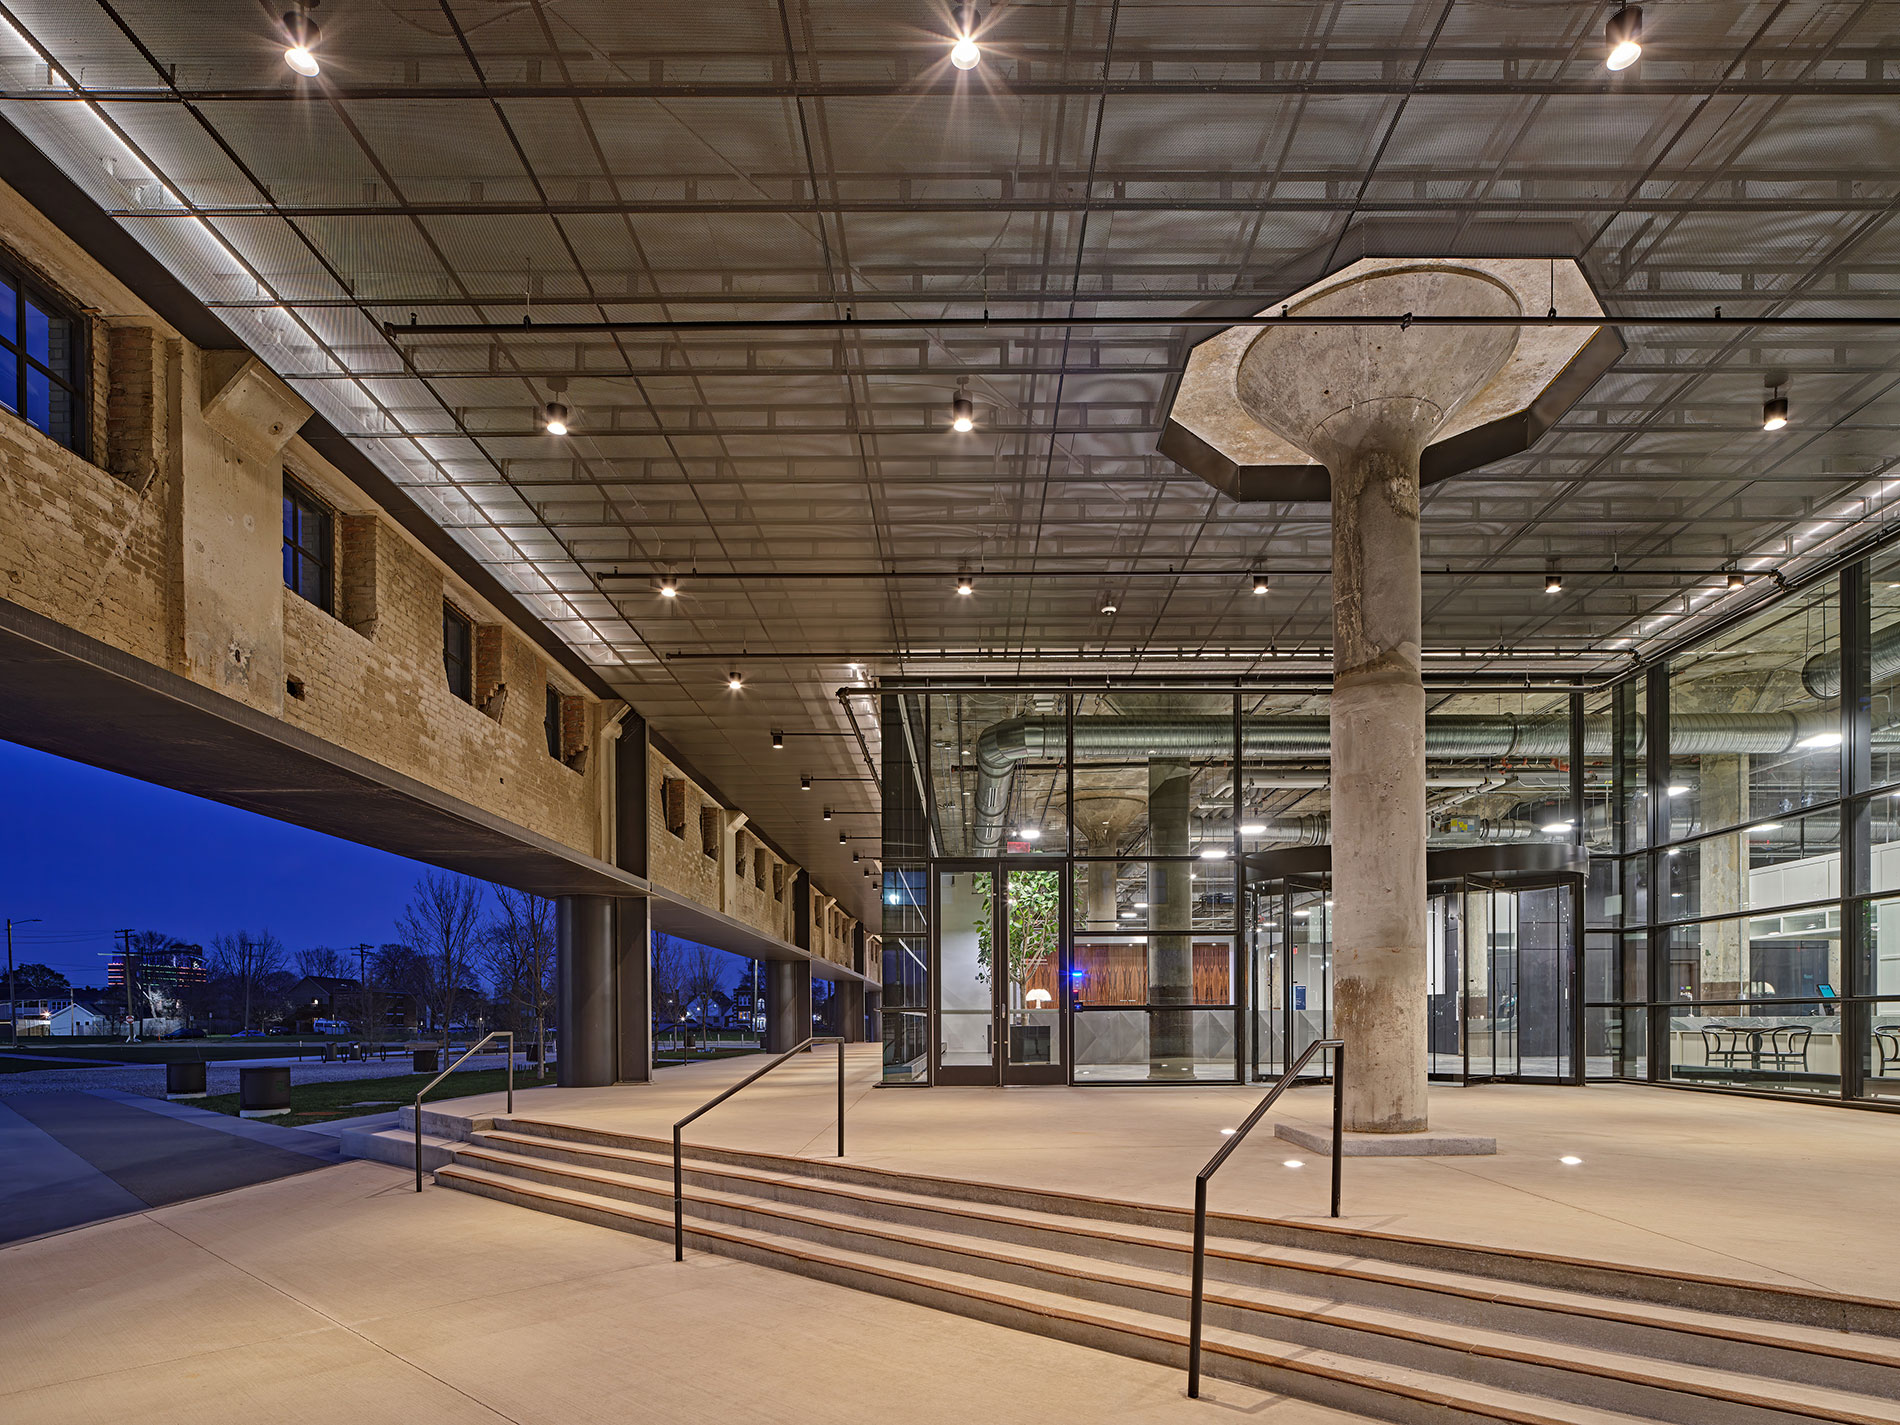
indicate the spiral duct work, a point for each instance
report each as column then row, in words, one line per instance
column 1002, row 746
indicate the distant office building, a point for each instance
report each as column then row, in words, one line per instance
column 184, row 965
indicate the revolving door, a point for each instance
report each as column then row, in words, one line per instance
column 1503, row 1001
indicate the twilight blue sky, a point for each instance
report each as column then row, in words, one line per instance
column 90, row 852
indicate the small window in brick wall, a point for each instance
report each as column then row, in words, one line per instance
column 759, row 862
column 778, row 882
column 709, row 824
column 458, row 652
column 551, row 723
column 673, row 805
column 309, row 548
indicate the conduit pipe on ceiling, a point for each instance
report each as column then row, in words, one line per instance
column 1003, row 745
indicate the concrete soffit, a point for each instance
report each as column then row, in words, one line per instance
column 245, row 400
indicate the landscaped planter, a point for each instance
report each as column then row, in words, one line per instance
column 185, row 1080
column 264, row 1092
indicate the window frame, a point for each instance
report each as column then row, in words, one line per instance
column 465, row 687
column 27, row 288
column 551, row 721
column 298, row 498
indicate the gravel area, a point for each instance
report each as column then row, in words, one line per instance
column 149, row 1079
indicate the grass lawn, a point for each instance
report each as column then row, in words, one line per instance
column 111, row 1051
column 354, row 1098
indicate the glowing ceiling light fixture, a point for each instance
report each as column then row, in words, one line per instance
column 1774, row 412
column 554, row 414
column 1260, row 583
column 1553, row 582
column 778, row 740
column 1029, row 833
column 827, row 815
column 1570, row 1160
column 669, row 587
column 1128, row 915
column 1293, row 1163
column 844, row 838
column 966, row 586
column 965, row 54
column 1214, row 853
column 1109, row 606
column 962, row 409
column 304, row 36
column 804, row 782
column 735, row 680
column 1143, row 905
column 1736, row 580
column 1821, row 739
column 1624, row 36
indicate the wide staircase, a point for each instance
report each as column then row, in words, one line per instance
column 1376, row 1324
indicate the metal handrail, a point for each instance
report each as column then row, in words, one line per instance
column 679, row 1190
column 1213, row 1165
column 507, row 1034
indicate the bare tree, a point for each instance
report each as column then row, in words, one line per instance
column 246, row 960
column 443, row 923
column 705, row 975
column 669, row 976
column 520, row 952
column 324, row 961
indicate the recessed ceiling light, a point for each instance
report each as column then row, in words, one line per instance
column 1293, row 1163
column 1569, row 1160
column 1625, row 38
column 1228, row 1132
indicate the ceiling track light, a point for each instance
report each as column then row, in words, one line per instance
column 302, row 35
column 778, row 739
column 554, row 415
column 1260, row 583
column 844, row 838
column 1774, row 411
column 964, row 53
column 669, row 587
column 804, row 782
column 827, row 815
column 1553, row 582
column 1624, row 36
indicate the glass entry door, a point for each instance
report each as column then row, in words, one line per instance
column 1502, row 999
column 1290, row 935
column 1000, row 973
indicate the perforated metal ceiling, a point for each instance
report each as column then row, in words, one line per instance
column 482, row 161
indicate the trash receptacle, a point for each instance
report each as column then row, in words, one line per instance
column 329, row 1053
column 186, row 1080
column 264, row 1092
column 425, row 1061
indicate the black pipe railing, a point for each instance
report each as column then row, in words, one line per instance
column 1213, row 1166
column 474, row 1048
column 679, row 1191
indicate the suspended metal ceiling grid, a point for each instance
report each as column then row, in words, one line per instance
column 482, row 161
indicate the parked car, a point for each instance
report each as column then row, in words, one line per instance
column 278, row 1029
column 248, row 1034
column 186, row 1033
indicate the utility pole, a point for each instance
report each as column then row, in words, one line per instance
column 131, row 1020
column 13, row 1005
column 362, row 987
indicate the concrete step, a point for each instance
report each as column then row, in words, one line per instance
column 1639, row 1384
column 1716, row 1296
column 1379, row 1389
column 1810, row 1355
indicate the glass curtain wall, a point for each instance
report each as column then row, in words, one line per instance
column 1740, row 920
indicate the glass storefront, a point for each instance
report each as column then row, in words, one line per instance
column 1074, row 890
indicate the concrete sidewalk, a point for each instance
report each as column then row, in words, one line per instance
column 74, row 1158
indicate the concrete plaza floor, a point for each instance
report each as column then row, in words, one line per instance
column 1736, row 1188
column 343, row 1295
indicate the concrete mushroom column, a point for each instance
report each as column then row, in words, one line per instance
column 1372, row 405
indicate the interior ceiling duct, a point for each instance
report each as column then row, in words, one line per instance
column 1821, row 674
column 1004, row 745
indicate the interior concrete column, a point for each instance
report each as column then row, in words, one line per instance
column 1170, row 921
column 787, row 1003
column 1099, row 886
column 1724, row 875
column 584, row 991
